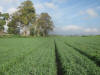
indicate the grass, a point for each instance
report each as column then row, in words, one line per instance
column 49, row 55
column 74, row 63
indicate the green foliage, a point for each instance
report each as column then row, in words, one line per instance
column 3, row 19
column 73, row 62
column 28, row 56
column 5, row 15
column 27, row 12
column 25, row 16
column 88, row 45
column 2, row 23
column 13, row 24
column 32, row 31
column 44, row 24
column 26, row 19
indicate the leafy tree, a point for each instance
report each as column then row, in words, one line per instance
column 5, row 15
column 2, row 22
column 13, row 24
column 3, row 18
column 32, row 32
column 23, row 18
column 44, row 25
column 27, row 14
column 33, row 28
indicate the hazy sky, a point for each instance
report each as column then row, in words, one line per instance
column 69, row 16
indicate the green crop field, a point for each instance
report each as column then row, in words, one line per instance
column 57, row 55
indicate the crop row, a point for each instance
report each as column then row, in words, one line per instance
column 92, row 42
column 34, row 60
column 87, row 48
column 12, row 49
column 74, row 63
column 47, row 56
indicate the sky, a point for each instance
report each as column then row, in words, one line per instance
column 70, row 17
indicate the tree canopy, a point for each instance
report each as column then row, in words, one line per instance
column 26, row 20
column 24, row 17
column 44, row 24
column 3, row 18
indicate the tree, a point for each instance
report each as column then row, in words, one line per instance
column 44, row 25
column 27, row 15
column 33, row 29
column 23, row 18
column 2, row 23
column 5, row 15
column 14, row 24
column 3, row 18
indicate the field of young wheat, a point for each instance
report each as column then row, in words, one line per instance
column 50, row 55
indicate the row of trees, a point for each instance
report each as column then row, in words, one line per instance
column 26, row 22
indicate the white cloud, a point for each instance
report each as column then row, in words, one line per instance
column 89, row 12
column 71, row 27
column 50, row 5
column 59, row 1
column 9, row 5
column 75, row 29
column 42, row 7
column 67, row 28
column 92, row 12
column 1, row 9
column 11, row 10
column 9, row 1
column 39, row 6
column 91, row 30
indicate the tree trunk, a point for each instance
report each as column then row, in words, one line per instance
column 43, row 34
column 35, row 30
column 26, row 31
column 38, row 33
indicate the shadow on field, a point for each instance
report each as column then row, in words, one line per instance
column 60, row 70
column 83, row 53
